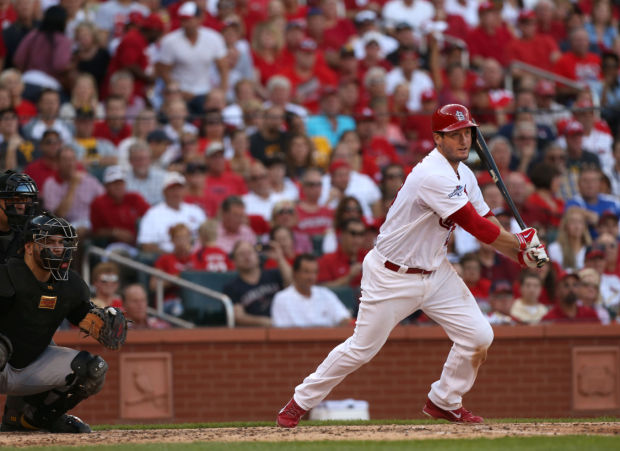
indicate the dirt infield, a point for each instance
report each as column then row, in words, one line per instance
column 312, row 433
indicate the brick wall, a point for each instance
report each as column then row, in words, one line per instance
column 248, row 374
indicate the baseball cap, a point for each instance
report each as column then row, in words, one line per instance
column 366, row 114
column 545, row 88
column 307, row 45
column 153, row 22
column 573, row 127
column 595, row 251
column 158, row 136
column 328, row 90
column 428, row 94
column 275, row 159
column 135, row 17
column 400, row 26
column 214, row 148
column 296, row 23
column 485, row 6
column 501, row 286
column 584, row 103
column 608, row 214
column 526, row 14
column 568, row 274
column 366, row 16
column 173, row 178
column 84, row 112
column 371, row 36
column 338, row 164
column 314, row 11
column 113, row 174
column 195, row 168
column 187, row 10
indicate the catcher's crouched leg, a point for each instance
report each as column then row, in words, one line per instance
column 48, row 410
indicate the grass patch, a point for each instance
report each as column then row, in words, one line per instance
column 563, row 443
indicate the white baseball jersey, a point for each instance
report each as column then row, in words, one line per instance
column 417, row 229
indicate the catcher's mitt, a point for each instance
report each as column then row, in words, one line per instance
column 106, row 325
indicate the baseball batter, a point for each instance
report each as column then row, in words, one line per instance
column 408, row 270
column 37, row 292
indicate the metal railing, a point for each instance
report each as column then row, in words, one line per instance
column 159, row 287
column 541, row 73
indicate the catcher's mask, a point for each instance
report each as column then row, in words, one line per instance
column 18, row 190
column 58, row 240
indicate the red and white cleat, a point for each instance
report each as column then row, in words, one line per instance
column 290, row 415
column 461, row 415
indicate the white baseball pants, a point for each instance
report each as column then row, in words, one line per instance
column 388, row 297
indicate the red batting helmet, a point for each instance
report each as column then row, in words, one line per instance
column 452, row 117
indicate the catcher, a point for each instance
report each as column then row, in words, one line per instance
column 37, row 292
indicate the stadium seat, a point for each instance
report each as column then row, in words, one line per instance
column 349, row 297
column 200, row 309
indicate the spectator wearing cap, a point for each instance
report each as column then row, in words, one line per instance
column 131, row 54
column 113, row 15
column 270, row 138
column 526, row 308
column 160, row 143
column 348, row 70
column 490, row 38
column 408, row 71
column 567, row 307
column 114, row 215
column 467, row 9
column 588, row 292
column 143, row 176
column 577, row 157
column 72, row 191
column 501, row 301
column 313, row 218
column 403, row 32
column 549, row 111
column 344, row 266
column 531, row 47
column 220, row 182
column 304, row 304
column 210, row 256
column 195, row 173
column 44, row 167
column 307, row 76
column 48, row 107
column 609, row 286
column 413, row 12
column 591, row 199
column 11, row 79
column 187, row 53
column 329, row 123
column 596, row 135
column 114, row 127
column 15, row 151
column 153, row 236
column 44, row 55
column 91, row 151
column 608, row 224
column 578, row 63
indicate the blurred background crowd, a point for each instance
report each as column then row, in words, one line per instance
column 265, row 140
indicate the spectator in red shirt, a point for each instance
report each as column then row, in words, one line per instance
column 284, row 237
column 131, row 53
column 307, row 76
column 105, row 281
column 220, row 182
column 284, row 214
column 344, row 267
column 114, row 128
column 472, row 276
column 578, row 63
column 491, row 38
column 313, row 219
column 209, row 256
column 180, row 259
column 567, row 308
column 11, row 79
column 532, row 47
column 338, row 30
column 546, row 179
column 135, row 303
column 115, row 214
column 266, row 50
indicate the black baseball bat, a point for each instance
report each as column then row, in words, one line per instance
column 485, row 155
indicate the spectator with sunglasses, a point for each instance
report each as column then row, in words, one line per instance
column 313, row 219
column 284, row 214
column 105, row 282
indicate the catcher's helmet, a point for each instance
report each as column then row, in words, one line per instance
column 452, row 117
column 18, row 189
column 55, row 257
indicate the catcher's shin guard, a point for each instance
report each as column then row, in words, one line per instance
column 87, row 379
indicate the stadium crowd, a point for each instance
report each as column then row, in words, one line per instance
column 268, row 138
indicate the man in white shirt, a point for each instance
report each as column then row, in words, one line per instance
column 414, row 12
column 407, row 72
column 261, row 198
column 304, row 304
column 153, row 236
column 187, row 54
